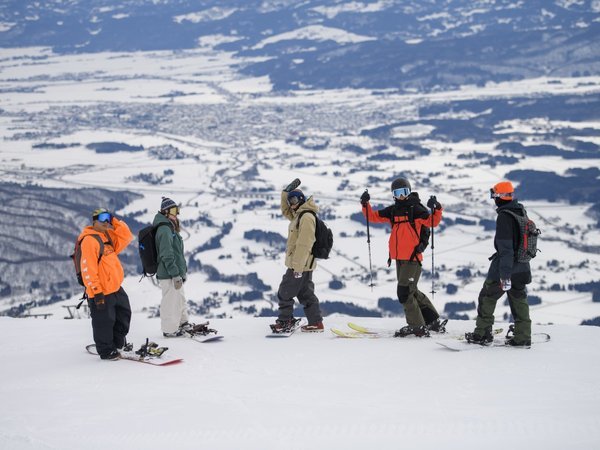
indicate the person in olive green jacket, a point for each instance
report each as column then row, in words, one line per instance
column 300, row 263
column 172, row 270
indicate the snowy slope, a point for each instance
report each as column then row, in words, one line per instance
column 308, row 391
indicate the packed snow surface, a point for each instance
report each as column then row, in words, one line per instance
column 307, row 391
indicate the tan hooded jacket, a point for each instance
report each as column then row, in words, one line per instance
column 298, row 253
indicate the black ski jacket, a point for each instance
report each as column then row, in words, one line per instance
column 506, row 243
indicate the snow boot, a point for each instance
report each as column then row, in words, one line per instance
column 315, row 328
column 473, row 338
column 513, row 343
column 438, row 326
column 174, row 334
column 112, row 356
column 410, row 330
column 128, row 347
column 186, row 327
column 284, row 326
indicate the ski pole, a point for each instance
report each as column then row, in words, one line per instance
column 432, row 253
column 369, row 245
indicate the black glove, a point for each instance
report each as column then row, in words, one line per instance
column 364, row 198
column 293, row 185
column 99, row 301
column 432, row 203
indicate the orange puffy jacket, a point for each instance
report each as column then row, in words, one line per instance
column 104, row 277
column 404, row 238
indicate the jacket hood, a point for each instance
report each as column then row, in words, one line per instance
column 159, row 218
column 413, row 200
column 89, row 230
column 514, row 206
column 308, row 205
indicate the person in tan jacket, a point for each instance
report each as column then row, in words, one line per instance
column 102, row 275
column 300, row 263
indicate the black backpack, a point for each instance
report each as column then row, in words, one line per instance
column 76, row 256
column 147, row 249
column 323, row 237
column 528, row 236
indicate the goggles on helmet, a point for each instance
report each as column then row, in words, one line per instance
column 401, row 192
column 494, row 194
column 294, row 200
column 105, row 217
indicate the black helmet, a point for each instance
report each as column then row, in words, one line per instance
column 400, row 183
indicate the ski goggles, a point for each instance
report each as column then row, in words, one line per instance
column 494, row 194
column 293, row 200
column 105, row 217
column 401, row 192
column 173, row 211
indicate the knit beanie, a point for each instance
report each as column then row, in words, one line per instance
column 167, row 204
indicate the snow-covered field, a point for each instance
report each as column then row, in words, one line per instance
column 277, row 135
column 309, row 391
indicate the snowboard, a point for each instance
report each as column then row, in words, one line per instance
column 462, row 345
column 132, row 356
column 205, row 339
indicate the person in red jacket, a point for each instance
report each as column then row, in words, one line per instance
column 410, row 222
column 102, row 276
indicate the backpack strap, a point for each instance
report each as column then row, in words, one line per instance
column 100, row 254
column 410, row 218
column 516, row 217
column 300, row 217
column 100, row 243
column 298, row 227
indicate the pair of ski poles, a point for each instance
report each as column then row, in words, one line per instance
column 432, row 252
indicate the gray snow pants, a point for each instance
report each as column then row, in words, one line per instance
column 302, row 288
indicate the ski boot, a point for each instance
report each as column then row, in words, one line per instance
column 438, row 326
column 284, row 326
column 410, row 330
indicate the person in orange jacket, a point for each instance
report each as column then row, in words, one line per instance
column 409, row 237
column 102, row 275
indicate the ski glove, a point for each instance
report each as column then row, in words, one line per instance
column 364, row 198
column 293, row 185
column 432, row 203
column 99, row 302
column 177, row 282
column 505, row 284
column 297, row 274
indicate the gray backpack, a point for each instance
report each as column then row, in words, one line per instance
column 529, row 233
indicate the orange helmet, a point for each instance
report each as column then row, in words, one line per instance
column 503, row 190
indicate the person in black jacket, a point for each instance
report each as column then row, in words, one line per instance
column 505, row 274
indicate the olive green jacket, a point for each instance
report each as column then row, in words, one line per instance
column 298, row 253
